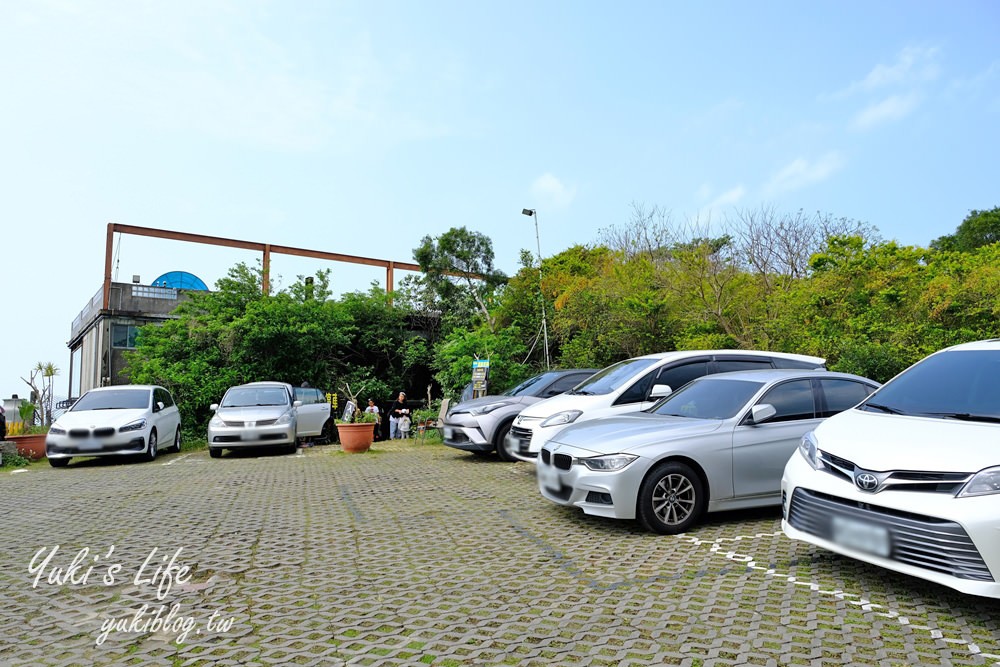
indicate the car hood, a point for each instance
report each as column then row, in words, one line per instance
column 253, row 413
column 550, row 406
column 105, row 418
column 881, row 442
column 468, row 406
column 631, row 433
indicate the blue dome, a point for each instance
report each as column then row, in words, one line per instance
column 180, row 280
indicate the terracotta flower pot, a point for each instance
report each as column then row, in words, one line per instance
column 356, row 438
column 30, row 446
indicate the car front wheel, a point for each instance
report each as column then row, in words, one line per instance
column 58, row 463
column 150, row 454
column 498, row 442
column 215, row 452
column 671, row 499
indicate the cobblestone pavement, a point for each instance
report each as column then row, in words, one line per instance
column 422, row 555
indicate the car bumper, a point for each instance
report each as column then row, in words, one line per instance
column 564, row 481
column 466, row 437
column 119, row 444
column 951, row 541
column 227, row 437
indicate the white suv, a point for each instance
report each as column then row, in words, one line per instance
column 910, row 479
column 633, row 385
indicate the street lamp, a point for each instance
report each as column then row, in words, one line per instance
column 545, row 328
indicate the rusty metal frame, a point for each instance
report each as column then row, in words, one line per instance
column 265, row 248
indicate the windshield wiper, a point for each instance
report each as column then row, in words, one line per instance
column 883, row 408
column 963, row 416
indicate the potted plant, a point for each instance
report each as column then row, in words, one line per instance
column 356, row 428
column 28, row 438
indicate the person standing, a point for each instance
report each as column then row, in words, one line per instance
column 372, row 409
column 396, row 413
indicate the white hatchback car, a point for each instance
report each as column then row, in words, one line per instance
column 633, row 385
column 910, row 479
column 115, row 421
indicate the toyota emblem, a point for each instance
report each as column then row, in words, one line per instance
column 866, row 481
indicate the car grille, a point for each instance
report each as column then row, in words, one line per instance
column 522, row 434
column 561, row 461
column 80, row 433
column 898, row 480
column 918, row 540
column 265, row 422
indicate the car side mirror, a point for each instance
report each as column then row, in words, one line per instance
column 158, row 406
column 296, row 404
column 213, row 407
column 660, row 390
column 762, row 412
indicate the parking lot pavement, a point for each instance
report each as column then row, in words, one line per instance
column 423, row 555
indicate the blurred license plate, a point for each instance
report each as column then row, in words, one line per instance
column 861, row 535
column 449, row 432
column 549, row 478
column 89, row 445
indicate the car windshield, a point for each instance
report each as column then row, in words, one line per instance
column 708, row 398
column 612, row 377
column 114, row 399
column 958, row 384
column 244, row 397
column 529, row 385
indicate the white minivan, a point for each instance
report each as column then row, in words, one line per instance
column 633, row 385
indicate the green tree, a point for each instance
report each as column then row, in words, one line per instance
column 458, row 268
column 980, row 228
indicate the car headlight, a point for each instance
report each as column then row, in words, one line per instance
column 56, row 430
column 488, row 408
column 285, row 418
column 137, row 425
column 216, row 422
column 560, row 418
column 609, row 462
column 983, row 483
column 809, row 449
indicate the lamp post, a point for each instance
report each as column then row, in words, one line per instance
column 545, row 328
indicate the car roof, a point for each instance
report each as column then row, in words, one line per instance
column 775, row 374
column 125, row 386
column 264, row 383
column 988, row 344
column 680, row 354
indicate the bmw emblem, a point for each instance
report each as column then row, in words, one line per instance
column 866, row 481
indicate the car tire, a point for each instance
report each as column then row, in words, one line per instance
column 58, row 463
column 671, row 499
column 327, row 435
column 498, row 439
column 177, row 441
column 215, row 452
column 150, row 454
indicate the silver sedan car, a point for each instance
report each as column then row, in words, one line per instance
column 258, row 414
column 719, row 443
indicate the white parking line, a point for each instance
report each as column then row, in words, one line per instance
column 867, row 605
column 175, row 460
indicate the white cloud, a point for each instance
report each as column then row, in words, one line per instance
column 913, row 66
column 733, row 196
column 890, row 109
column 554, row 191
column 730, row 197
column 800, row 173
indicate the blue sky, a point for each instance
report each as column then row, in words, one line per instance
column 360, row 127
